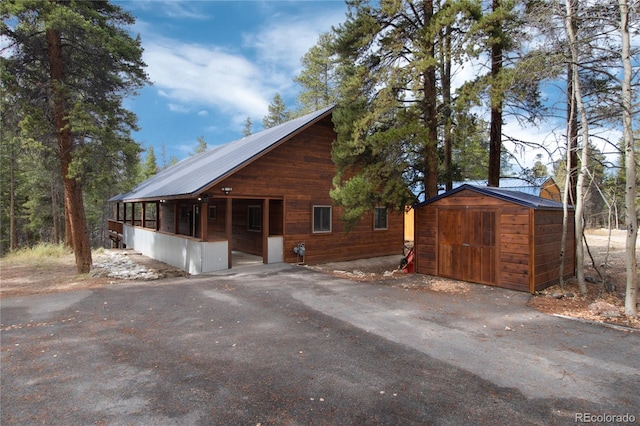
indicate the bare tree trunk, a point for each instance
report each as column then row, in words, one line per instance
column 13, row 226
column 54, row 213
column 565, row 211
column 74, row 204
column 631, row 218
column 430, row 112
column 445, row 60
column 579, row 202
column 495, row 130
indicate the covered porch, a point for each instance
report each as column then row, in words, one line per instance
column 203, row 234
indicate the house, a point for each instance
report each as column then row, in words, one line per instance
column 264, row 195
column 493, row 236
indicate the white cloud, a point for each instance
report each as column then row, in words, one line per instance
column 285, row 39
column 198, row 75
column 238, row 82
column 177, row 108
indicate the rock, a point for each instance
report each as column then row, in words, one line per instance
column 604, row 309
column 118, row 265
column 557, row 295
column 590, row 279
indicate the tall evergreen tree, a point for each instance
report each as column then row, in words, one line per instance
column 202, row 146
column 150, row 166
column 246, row 131
column 387, row 120
column 318, row 77
column 73, row 63
column 278, row 113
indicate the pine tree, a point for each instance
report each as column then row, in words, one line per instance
column 150, row 166
column 278, row 113
column 246, row 131
column 318, row 77
column 73, row 63
column 202, row 146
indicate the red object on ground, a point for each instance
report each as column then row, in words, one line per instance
column 410, row 267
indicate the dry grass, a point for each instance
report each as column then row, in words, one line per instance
column 41, row 254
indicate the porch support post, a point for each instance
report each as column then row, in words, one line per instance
column 143, row 219
column 204, row 221
column 228, row 230
column 265, row 231
column 176, row 217
column 157, row 216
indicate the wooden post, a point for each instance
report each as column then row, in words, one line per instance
column 157, row 216
column 176, row 217
column 204, row 221
column 143, row 219
column 228, row 230
column 265, row 231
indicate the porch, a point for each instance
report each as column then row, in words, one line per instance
column 201, row 235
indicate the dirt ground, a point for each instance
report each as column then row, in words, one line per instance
column 53, row 275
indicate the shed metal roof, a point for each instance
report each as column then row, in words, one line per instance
column 191, row 175
column 532, row 186
column 516, row 197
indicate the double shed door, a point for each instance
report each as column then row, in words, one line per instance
column 467, row 244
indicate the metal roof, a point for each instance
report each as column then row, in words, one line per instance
column 516, row 197
column 532, row 186
column 193, row 174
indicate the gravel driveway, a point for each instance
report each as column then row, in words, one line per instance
column 280, row 344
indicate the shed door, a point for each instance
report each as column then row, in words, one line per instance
column 467, row 245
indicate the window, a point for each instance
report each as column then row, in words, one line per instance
column 254, row 218
column 380, row 218
column 213, row 213
column 321, row 219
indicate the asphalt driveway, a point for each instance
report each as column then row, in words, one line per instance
column 281, row 344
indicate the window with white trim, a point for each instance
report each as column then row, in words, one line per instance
column 380, row 218
column 321, row 219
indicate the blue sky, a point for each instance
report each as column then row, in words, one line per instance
column 215, row 63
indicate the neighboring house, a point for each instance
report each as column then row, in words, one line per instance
column 266, row 195
column 493, row 236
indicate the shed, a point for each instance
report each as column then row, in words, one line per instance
column 493, row 236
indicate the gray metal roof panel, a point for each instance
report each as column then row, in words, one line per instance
column 192, row 174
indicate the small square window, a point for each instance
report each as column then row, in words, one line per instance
column 321, row 219
column 213, row 213
column 380, row 218
column 254, row 218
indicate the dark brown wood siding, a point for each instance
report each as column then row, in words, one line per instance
column 300, row 173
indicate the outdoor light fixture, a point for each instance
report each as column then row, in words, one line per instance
column 226, row 190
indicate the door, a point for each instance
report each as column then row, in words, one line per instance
column 467, row 245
